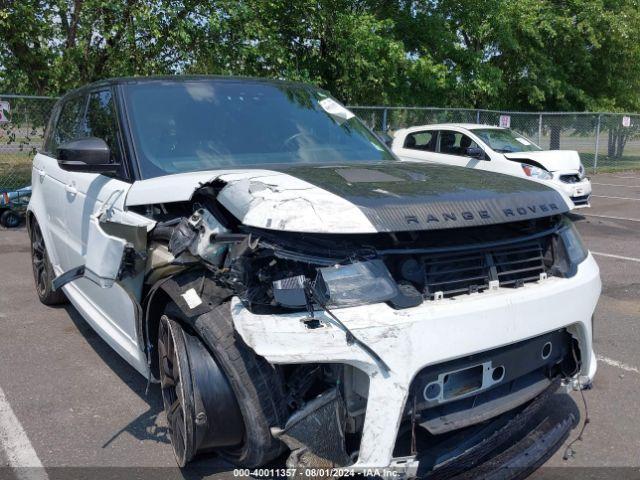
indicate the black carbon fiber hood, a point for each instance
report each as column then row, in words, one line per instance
column 401, row 196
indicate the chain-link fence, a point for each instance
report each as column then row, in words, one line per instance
column 605, row 141
column 22, row 123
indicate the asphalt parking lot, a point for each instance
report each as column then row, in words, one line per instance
column 72, row 402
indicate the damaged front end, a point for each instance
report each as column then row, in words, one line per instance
column 392, row 345
column 419, row 349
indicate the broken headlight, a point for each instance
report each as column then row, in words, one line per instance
column 354, row 284
column 357, row 283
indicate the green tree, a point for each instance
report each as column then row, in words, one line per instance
column 529, row 54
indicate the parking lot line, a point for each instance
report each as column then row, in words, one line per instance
column 627, row 219
column 617, row 198
column 619, row 257
column 616, row 363
column 615, row 185
column 16, row 445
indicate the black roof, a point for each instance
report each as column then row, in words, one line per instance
column 183, row 78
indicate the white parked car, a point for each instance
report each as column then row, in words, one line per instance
column 495, row 149
column 292, row 285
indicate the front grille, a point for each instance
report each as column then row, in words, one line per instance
column 570, row 178
column 459, row 273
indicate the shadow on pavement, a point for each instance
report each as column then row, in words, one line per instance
column 149, row 426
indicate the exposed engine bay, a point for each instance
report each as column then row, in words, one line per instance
column 273, row 270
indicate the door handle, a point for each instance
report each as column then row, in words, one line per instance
column 71, row 190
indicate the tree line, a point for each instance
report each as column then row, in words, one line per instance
column 503, row 54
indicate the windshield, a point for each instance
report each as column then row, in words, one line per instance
column 503, row 140
column 204, row 124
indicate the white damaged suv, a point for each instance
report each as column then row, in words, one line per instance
column 293, row 286
column 495, row 149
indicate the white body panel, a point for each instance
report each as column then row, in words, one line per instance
column 558, row 162
column 48, row 199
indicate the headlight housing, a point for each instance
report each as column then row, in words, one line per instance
column 582, row 172
column 570, row 251
column 357, row 283
column 350, row 285
column 535, row 172
column 576, row 250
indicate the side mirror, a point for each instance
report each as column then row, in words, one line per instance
column 475, row 152
column 89, row 154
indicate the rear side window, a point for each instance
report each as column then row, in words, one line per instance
column 421, row 141
column 68, row 124
column 101, row 122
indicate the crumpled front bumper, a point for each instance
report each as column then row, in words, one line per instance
column 434, row 332
column 579, row 192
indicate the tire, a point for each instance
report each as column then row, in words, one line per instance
column 255, row 383
column 43, row 274
column 10, row 219
column 201, row 408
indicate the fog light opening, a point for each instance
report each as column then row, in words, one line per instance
column 432, row 391
column 546, row 350
column 498, row 373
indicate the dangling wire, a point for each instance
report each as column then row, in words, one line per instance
column 569, row 452
column 350, row 337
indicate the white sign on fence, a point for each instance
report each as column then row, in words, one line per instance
column 626, row 121
column 5, row 108
column 505, row 121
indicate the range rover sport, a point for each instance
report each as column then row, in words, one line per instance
column 254, row 249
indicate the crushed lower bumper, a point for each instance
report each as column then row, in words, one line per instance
column 510, row 446
column 528, row 454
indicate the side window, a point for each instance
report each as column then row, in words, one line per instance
column 68, row 123
column 455, row 143
column 101, row 122
column 425, row 141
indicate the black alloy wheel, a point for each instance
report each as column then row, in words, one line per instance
column 43, row 270
column 176, row 387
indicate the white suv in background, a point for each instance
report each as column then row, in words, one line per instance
column 495, row 149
